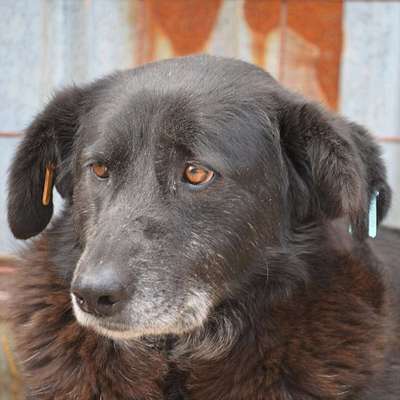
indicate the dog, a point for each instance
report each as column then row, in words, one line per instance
column 213, row 243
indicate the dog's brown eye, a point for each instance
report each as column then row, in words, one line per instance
column 100, row 170
column 197, row 175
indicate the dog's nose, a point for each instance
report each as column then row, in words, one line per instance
column 99, row 294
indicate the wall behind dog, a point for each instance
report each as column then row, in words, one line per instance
column 343, row 54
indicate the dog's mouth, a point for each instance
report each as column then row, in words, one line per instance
column 116, row 331
column 122, row 331
column 113, row 327
column 185, row 318
column 102, row 326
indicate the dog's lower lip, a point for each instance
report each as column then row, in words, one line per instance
column 114, row 327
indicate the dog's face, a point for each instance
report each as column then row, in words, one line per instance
column 168, row 181
column 180, row 177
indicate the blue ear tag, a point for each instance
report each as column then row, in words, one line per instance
column 372, row 216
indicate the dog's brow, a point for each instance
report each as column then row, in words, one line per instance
column 93, row 153
column 184, row 149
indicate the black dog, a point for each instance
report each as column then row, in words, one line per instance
column 204, row 243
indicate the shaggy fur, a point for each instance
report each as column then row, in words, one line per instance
column 248, row 287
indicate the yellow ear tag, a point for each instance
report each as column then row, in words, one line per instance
column 48, row 184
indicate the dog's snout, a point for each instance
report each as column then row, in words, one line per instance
column 97, row 302
column 100, row 294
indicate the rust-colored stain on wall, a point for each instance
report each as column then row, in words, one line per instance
column 309, row 38
column 186, row 24
column 263, row 17
column 318, row 24
column 299, row 42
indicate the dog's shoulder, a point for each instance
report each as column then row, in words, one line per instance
column 336, row 338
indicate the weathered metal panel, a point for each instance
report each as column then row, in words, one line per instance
column 20, row 80
column 370, row 79
column 46, row 44
column 298, row 42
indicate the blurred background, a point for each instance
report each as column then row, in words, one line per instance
column 345, row 54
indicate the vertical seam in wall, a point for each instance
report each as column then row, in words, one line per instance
column 238, row 12
column 44, row 60
column 283, row 36
column 397, row 101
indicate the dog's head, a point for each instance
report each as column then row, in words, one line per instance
column 180, row 175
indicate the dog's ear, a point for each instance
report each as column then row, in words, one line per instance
column 335, row 166
column 47, row 145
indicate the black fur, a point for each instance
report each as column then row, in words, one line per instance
column 249, row 287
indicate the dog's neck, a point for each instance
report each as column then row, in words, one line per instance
column 272, row 340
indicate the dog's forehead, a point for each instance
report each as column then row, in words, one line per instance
column 142, row 118
column 205, row 128
column 196, row 108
